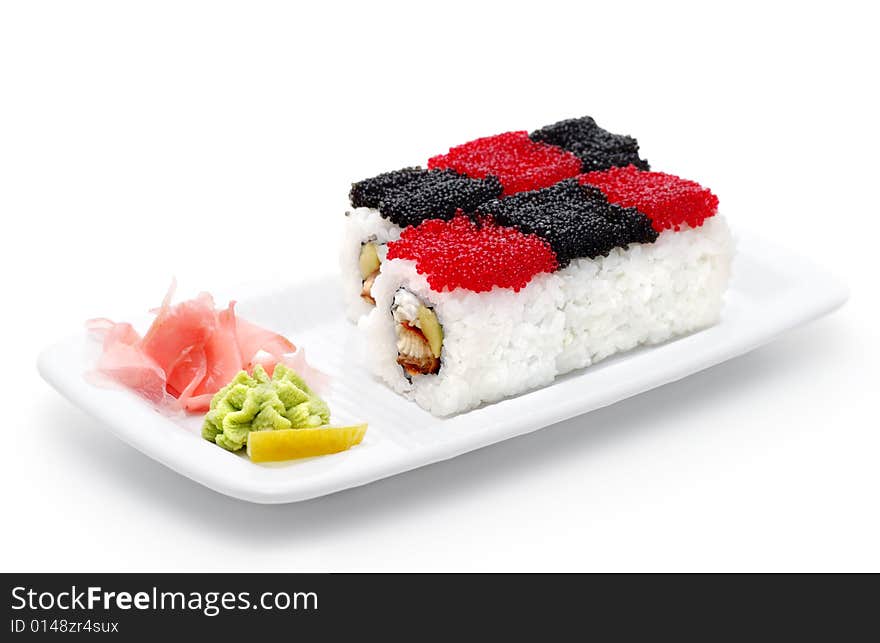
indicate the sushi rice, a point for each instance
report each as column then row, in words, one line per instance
column 362, row 225
column 501, row 343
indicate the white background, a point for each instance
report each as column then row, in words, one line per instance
column 217, row 142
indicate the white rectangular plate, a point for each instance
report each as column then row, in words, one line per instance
column 772, row 291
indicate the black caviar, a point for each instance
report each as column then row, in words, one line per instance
column 597, row 148
column 369, row 192
column 411, row 195
column 576, row 220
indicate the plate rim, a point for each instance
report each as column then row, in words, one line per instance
column 825, row 295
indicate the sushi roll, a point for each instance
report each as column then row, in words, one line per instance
column 465, row 177
column 383, row 205
column 529, row 286
column 456, row 323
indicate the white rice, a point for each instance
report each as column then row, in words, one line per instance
column 500, row 343
column 495, row 344
column 361, row 225
column 644, row 294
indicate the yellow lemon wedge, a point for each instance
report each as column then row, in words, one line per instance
column 287, row 444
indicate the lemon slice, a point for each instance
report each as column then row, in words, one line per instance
column 287, row 444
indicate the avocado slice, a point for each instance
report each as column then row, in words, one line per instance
column 431, row 329
column 369, row 260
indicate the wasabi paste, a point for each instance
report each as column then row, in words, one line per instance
column 258, row 403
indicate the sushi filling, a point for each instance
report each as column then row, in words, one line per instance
column 419, row 335
column 369, row 263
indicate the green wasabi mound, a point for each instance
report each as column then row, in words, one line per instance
column 259, row 403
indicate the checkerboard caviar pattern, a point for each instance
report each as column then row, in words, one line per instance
column 577, row 188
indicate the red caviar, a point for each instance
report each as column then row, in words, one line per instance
column 669, row 201
column 519, row 162
column 461, row 253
